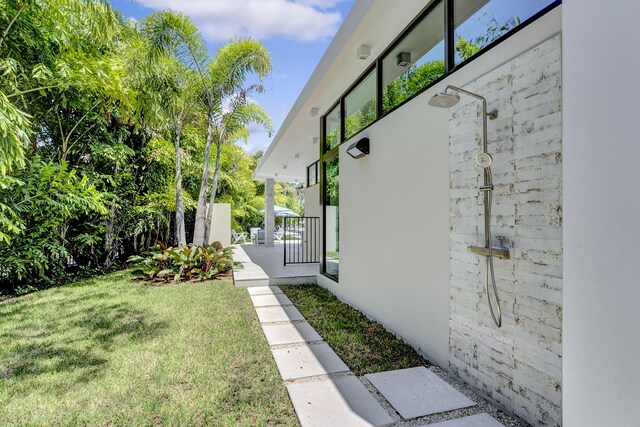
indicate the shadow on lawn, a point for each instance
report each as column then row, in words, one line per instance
column 55, row 337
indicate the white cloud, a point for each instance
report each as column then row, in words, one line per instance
column 221, row 20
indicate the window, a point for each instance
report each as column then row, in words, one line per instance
column 332, row 137
column 360, row 106
column 331, row 258
column 416, row 61
column 478, row 23
column 312, row 174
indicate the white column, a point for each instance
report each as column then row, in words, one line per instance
column 269, row 217
column 601, row 152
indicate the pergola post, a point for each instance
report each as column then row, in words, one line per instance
column 269, row 216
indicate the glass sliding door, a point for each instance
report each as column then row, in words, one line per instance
column 331, row 182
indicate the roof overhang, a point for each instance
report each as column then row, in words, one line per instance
column 374, row 23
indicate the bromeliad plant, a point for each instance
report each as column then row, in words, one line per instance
column 163, row 264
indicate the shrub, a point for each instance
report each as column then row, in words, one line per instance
column 164, row 264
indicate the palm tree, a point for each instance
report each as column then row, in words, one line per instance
column 233, row 126
column 221, row 78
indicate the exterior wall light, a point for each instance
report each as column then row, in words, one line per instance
column 364, row 51
column 314, row 111
column 404, row 59
column 315, row 139
column 359, row 149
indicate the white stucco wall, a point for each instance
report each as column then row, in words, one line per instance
column 394, row 211
column 221, row 224
column 602, row 213
column 312, row 206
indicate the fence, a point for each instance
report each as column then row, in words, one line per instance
column 301, row 240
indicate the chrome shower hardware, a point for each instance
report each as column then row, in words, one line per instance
column 447, row 99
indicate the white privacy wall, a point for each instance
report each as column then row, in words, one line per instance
column 519, row 365
column 601, row 133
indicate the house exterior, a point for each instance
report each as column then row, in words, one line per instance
column 398, row 222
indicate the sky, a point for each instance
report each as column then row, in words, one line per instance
column 296, row 32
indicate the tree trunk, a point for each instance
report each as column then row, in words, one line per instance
column 201, row 211
column 214, row 189
column 181, row 235
column 108, row 244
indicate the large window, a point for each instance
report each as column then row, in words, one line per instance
column 415, row 62
column 312, row 174
column 360, row 106
column 446, row 35
column 479, row 23
column 332, row 137
column 331, row 259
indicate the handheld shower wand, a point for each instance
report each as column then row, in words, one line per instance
column 447, row 99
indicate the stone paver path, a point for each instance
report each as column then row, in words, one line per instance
column 323, row 390
column 417, row 392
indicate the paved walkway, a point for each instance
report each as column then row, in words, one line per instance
column 324, row 392
column 264, row 266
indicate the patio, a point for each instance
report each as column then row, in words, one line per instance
column 264, row 265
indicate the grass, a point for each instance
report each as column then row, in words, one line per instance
column 365, row 346
column 108, row 351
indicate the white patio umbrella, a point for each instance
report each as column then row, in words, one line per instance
column 282, row 212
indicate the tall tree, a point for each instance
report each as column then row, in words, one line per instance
column 222, row 77
column 233, row 126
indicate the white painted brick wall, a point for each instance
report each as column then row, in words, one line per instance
column 519, row 365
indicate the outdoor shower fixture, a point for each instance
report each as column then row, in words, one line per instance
column 447, row 99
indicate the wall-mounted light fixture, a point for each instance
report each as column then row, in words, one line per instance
column 364, row 51
column 359, row 149
column 284, row 167
column 315, row 139
column 297, row 155
column 404, row 59
column 313, row 111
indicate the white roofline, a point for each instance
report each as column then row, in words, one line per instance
column 348, row 27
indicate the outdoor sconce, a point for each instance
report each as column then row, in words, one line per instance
column 359, row 149
column 404, row 59
column 364, row 51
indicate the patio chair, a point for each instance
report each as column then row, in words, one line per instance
column 237, row 237
column 278, row 233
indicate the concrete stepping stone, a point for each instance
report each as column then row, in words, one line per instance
column 343, row 402
column 268, row 300
column 416, row 392
column 307, row 361
column 264, row 290
column 479, row 420
column 292, row 333
column 278, row 314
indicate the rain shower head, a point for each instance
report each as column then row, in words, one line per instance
column 444, row 100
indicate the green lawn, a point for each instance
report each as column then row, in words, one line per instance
column 108, row 351
column 364, row 346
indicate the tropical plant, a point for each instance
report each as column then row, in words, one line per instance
column 163, row 264
column 222, row 79
column 45, row 197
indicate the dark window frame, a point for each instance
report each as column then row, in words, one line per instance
column 450, row 66
column 332, row 155
column 317, row 180
column 371, row 69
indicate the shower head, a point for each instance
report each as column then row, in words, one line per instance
column 444, row 100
